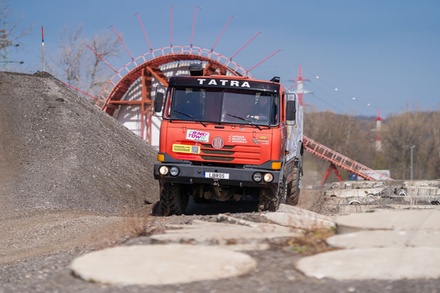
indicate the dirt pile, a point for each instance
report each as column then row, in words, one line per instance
column 58, row 151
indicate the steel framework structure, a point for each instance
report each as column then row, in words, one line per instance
column 337, row 159
column 148, row 66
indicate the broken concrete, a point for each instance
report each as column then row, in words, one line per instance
column 381, row 245
column 391, row 263
column 291, row 216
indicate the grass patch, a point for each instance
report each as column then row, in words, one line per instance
column 139, row 222
column 312, row 242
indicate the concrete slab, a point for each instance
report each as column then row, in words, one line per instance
column 225, row 234
column 385, row 219
column 291, row 216
column 161, row 264
column 370, row 239
column 346, row 193
column 393, row 263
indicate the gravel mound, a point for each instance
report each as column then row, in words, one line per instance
column 59, row 152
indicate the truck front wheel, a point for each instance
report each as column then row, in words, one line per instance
column 172, row 200
column 294, row 187
column 268, row 200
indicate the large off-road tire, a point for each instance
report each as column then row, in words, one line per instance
column 283, row 191
column 268, row 200
column 294, row 187
column 172, row 200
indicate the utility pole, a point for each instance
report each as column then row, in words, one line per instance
column 42, row 49
column 411, row 148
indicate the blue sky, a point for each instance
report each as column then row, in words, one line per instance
column 358, row 55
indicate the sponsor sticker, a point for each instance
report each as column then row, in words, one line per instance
column 183, row 148
column 197, row 135
column 237, row 139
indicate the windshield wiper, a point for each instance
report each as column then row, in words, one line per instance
column 245, row 120
column 190, row 116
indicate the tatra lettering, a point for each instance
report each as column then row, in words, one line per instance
column 223, row 82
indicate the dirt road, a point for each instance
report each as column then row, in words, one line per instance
column 36, row 252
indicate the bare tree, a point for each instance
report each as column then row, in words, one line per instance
column 353, row 137
column 72, row 49
column 79, row 66
column 345, row 134
column 97, row 74
column 10, row 35
column 416, row 132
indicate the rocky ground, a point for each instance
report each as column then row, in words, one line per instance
column 73, row 180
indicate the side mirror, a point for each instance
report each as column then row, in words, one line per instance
column 158, row 102
column 290, row 111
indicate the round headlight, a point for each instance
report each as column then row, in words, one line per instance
column 174, row 171
column 257, row 176
column 163, row 170
column 268, row 177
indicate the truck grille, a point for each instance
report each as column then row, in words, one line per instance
column 230, row 153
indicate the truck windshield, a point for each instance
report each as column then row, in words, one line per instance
column 217, row 105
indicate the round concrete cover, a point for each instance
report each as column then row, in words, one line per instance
column 390, row 263
column 161, row 264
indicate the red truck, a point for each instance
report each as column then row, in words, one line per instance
column 228, row 138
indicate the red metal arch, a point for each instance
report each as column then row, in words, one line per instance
column 151, row 68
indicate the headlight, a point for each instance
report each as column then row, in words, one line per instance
column 268, row 177
column 174, row 171
column 257, row 176
column 163, row 170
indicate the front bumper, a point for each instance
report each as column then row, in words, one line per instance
column 190, row 174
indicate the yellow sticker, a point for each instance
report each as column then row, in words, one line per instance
column 184, row 148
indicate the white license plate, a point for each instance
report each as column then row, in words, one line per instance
column 216, row 175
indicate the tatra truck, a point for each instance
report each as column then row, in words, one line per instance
column 226, row 138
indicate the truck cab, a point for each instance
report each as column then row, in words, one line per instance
column 227, row 138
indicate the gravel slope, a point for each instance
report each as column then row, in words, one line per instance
column 58, row 151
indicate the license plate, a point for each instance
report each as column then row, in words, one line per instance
column 216, row 175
